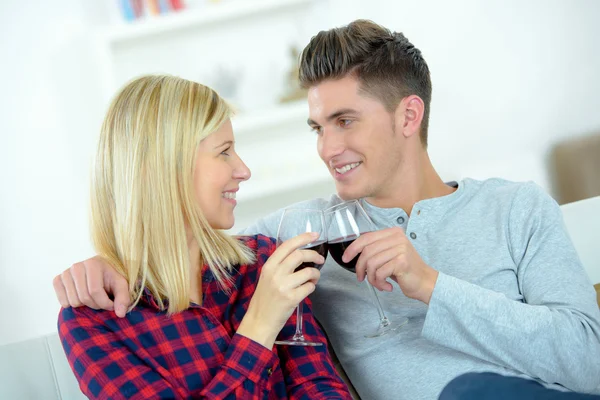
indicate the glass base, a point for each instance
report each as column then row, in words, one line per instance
column 385, row 327
column 298, row 341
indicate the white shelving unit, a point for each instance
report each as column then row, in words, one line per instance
column 211, row 14
column 251, row 123
column 207, row 25
column 255, row 191
column 273, row 139
column 280, row 145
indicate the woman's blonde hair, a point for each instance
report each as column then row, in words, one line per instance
column 142, row 192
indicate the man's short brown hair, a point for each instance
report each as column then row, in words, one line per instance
column 387, row 66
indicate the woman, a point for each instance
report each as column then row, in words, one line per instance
column 207, row 307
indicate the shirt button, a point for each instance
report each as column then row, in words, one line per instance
column 400, row 220
column 270, row 371
column 413, row 235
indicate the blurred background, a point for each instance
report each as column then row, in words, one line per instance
column 516, row 95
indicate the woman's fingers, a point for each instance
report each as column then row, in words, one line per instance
column 299, row 278
column 291, row 245
column 299, row 257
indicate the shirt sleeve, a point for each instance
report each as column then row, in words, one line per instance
column 106, row 367
column 246, row 371
column 554, row 333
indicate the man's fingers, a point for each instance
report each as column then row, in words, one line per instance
column 118, row 286
column 60, row 291
column 377, row 261
column 356, row 247
column 369, row 252
column 95, row 284
column 78, row 274
column 386, row 271
column 67, row 281
column 364, row 240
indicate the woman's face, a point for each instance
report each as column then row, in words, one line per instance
column 217, row 176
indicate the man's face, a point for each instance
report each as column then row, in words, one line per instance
column 357, row 139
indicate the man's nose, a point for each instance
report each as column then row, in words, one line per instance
column 330, row 145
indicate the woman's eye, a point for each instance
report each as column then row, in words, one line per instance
column 226, row 151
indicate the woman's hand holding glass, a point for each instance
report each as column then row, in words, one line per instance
column 280, row 289
column 294, row 222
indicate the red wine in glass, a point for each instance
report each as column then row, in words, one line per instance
column 338, row 246
column 321, row 248
column 294, row 222
column 345, row 222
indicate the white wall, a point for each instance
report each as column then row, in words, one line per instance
column 46, row 117
column 510, row 79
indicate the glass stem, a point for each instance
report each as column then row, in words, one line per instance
column 384, row 321
column 299, row 335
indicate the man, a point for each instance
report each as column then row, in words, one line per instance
column 484, row 270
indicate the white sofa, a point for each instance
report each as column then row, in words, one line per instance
column 582, row 219
column 37, row 369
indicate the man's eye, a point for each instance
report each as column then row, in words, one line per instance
column 316, row 129
column 345, row 122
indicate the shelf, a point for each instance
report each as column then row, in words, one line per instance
column 253, row 190
column 255, row 121
column 208, row 15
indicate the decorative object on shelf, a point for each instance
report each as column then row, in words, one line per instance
column 196, row 14
column 126, row 7
column 153, row 7
column 176, row 5
column 164, row 6
column 293, row 91
column 137, row 9
column 226, row 82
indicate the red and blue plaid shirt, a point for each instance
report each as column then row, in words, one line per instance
column 196, row 353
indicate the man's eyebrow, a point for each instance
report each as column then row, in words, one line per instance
column 334, row 115
column 229, row 142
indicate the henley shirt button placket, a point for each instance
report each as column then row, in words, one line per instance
column 400, row 220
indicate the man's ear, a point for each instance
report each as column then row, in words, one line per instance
column 409, row 115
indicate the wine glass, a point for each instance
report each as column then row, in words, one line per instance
column 294, row 222
column 345, row 222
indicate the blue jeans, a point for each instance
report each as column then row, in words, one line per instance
column 492, row 386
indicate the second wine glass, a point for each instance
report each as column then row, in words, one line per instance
column 293, row 223
column 345, row 223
